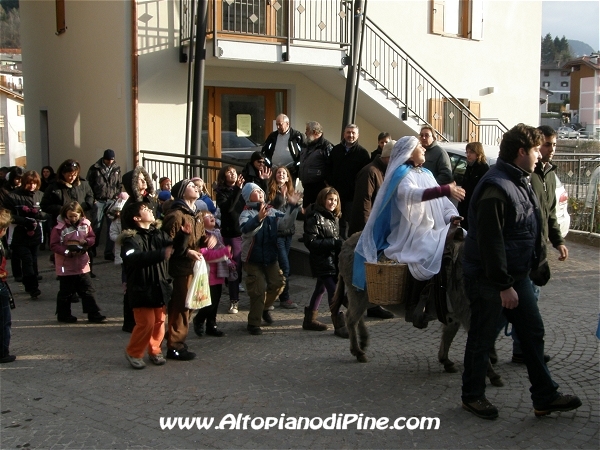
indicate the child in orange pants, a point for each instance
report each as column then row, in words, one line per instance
column 145, row 250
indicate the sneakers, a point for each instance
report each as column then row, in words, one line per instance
column 564, row 402
column 482, row 408
column 288, row 304
column 253, row 330
column 157, row 360
column 233, row 308
column 518, row 358
column 96, row 318
column 266, row 316
column 136, row 363
column 212, row 330
column 180, row 355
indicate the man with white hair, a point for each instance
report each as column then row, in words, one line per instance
column 283, row 146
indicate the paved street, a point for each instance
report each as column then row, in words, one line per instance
column 71, row 386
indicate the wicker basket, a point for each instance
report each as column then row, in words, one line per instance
column 386, row 283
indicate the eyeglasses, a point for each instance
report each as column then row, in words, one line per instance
column 73, row 164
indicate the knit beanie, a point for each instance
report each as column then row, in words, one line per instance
column 248, row 189
column 179, row 188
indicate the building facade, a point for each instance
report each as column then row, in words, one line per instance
column 117, row 73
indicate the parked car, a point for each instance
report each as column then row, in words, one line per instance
column 458, row 159
column 238, row 148
column 567, row 133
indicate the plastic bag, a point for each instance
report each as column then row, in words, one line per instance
column 198, row 295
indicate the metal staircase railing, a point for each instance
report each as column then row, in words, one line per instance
column 384, row 63
column 406, row 82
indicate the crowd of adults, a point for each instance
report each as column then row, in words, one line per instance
column 507, row 231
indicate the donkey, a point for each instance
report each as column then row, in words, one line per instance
column 357, row 302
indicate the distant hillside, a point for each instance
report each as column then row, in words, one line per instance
column 579, row 48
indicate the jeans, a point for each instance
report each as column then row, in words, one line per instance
column 513, row 333
column 27, row 254
column 5, row 320
column 236, row 251
column 100, row 208
column 283, row 256
column 486, row 311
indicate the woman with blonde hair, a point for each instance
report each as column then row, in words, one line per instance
column 280, row 187
column 477, row 166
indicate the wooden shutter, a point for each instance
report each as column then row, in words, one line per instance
column 473, row 129
column 436, row 114
column 476, row 25
column 437, row 16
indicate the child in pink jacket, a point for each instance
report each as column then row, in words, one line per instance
column 217, row 259
column 69, row 241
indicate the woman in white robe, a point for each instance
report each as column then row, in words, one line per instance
column 410, row 218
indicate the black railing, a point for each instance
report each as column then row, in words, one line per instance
column 384, row 63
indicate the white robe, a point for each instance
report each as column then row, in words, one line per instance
column 419, row 228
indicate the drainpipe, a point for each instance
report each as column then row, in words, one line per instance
column 350, row 97
column 198, row 88
column 190, row 60
column 134, row 86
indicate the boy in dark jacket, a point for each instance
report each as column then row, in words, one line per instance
column 264, row 281
column 145, row 250
column 5, row 295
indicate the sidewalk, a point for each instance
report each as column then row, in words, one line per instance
column 71, row 386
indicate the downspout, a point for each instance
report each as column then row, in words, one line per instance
column 362, row 37
column 198, row 89
column 134, row 86
column 188, row 109
column 350, row 96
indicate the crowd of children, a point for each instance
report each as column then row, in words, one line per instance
column 245, row 228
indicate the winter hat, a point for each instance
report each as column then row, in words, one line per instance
column 163, row 196
column 108, row 154
column 179, row 188
column 248, row 189
column 387, row 149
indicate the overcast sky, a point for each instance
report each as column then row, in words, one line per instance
column 579, row 20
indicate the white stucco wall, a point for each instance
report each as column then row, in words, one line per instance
column 507, row 58
column 14, row 124
column 81, row 77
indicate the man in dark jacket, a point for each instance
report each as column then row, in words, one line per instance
column 543, row 182
column 313, row 162
column 345, row 161
column 104, row 178
column 437, row 160
column 383, row 138
column 283, row 147
column 501, row 248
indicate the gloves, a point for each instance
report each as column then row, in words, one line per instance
column 30, row 225
column 338, row 245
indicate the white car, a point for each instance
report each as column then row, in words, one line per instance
column 567, row 133
column 458, row 159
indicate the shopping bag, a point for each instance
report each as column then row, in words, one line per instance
column 198, row 295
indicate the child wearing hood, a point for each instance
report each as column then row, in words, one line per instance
column 181, row 265
column 264, row 278
column 139, row 187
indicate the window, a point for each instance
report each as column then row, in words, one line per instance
column 546, row 73
column 546, row 84
column 565, row 73
column 564, row 84
column 20, row 110
column 564, row 96
column 460, row 18
column 22, row 136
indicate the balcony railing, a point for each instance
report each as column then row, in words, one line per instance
column 383, row 62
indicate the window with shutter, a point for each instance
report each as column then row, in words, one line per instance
column 459, row 18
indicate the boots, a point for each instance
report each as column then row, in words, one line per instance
column 339, row 324
column 63, row 311
column 311, row 322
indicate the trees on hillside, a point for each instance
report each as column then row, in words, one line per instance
column 555, row 50
column 10, row 20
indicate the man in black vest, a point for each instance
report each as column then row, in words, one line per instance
column 345, row 161
column 283, row 146
column 501, row 248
